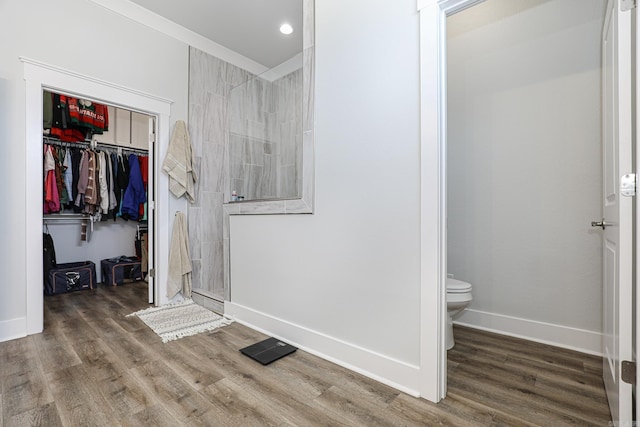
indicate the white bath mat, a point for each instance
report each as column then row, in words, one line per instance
column 181, row 319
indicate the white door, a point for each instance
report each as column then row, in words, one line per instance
column 151, row 145
column 617, row 209
column 636, row 118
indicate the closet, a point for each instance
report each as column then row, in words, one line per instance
column 96, row 172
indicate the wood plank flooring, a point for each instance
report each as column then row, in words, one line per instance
column 93, row 366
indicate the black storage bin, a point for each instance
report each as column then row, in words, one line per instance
column 116, row 270
column 69, row 277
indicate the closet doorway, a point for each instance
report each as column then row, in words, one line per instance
column 40, row 77
column 98, row 159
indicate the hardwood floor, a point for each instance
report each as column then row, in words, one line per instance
column 93, row 366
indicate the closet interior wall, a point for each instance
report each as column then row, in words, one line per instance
column 128, row 133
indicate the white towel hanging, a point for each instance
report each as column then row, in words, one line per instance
column 179, row 272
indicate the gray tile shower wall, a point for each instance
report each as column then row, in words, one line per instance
column 265, row 136
column 247, row 136
column 210, row 81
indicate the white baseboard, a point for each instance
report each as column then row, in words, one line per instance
column 13, row 328
column 394, row 373
column 581, row 340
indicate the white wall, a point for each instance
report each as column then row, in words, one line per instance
column 524, row 159
column 345, row 281
column 83, row 37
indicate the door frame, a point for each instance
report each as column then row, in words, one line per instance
column 433, row 172
column 433, row 163
column 39, row 76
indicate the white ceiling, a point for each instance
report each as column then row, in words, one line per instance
column 248, row 27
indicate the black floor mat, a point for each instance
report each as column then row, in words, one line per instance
column 268, row 351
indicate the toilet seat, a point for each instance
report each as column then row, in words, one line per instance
column 455, row 286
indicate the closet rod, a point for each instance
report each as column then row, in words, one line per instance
column 88, row 144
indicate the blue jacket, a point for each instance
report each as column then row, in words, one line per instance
column 135, row 192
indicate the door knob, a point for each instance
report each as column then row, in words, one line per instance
column 599, row 224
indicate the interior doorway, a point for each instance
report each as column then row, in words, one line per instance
column 106, row 232
column 597, row 284
column 433, row 27
column 39, row 77
column 524, row 168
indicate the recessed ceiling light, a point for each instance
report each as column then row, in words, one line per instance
column 286, row 29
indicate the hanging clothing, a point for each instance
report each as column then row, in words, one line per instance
column 62, row 192
column 144, row 250
column 117, row 192
column 83, row 180
column 76, row 159
column 111, row 184
column 92, row 193
column 123, row 180
column 144, row 173
column 86, row 228
column 134, row 194
column 93, row 182
column 103, row 182
column 178, row 163
column 179, row 271
column 51, row 196
column 67, row 165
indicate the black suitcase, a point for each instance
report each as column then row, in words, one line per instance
column 69, row 277
column 116, row 270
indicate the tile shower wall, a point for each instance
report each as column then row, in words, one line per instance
column 210, row 81
column 250, row 147
column 265, row 136
column 288, row 134
column 247, row 136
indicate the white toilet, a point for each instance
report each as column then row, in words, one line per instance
column 458, row 298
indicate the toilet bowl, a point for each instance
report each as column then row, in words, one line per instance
column 458, row 298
